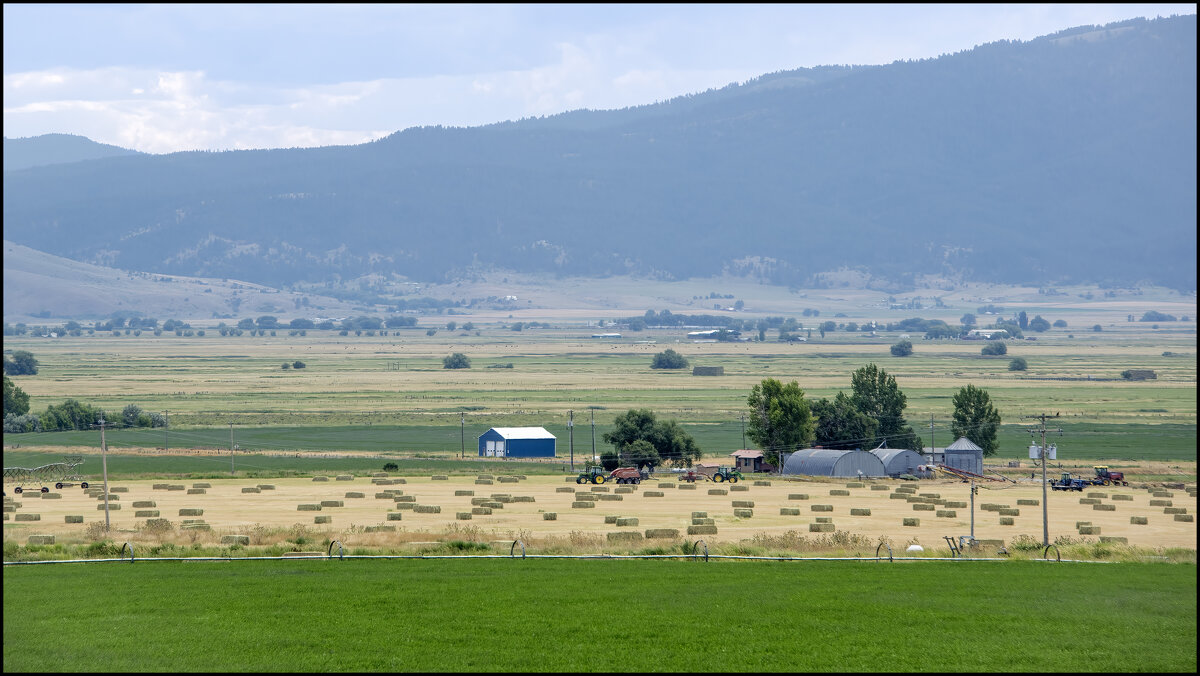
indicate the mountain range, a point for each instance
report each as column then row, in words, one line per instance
column 1070, row 158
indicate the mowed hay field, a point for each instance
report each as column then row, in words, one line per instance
column 518, row 506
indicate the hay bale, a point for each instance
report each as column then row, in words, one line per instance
column 684, row 487
column 587, row 497
column 879, row 487
column 856, row 484
column 860, row 511
column 463, row 493
column 822, row 508
column 699, row 515
column 507, row 479
column 668, row 533
column 427, row 509
column 235, row 539
column 344, row 477
column 627, row 521
column 323, row 519
column 666, row 484
column 354, row 494
column 923, row 507
column 1089, row 501
column 202, row 484
column 820, row 528
column 739, row 488
column 1006, row 521
column 73, row 518
column 797, row 496
column 1174, row 510
column 482, row 511
column 947, row 513
column 914, row 499
column 598, row 489
column 483, row 482
column 191, row 511
column 906, row 489
column 1089, row 530
column 52, row 496
column 40, row 540
column 1114, row 539
column 761, row 482
column 144, row 503
column 1163, row 494
column 789, row 511
column 568, row 489
column 582, row 504
column 1097, row 495
column 824, row 519
column 439, row 477
column 718, row 491
column 379, row 474
column 145, row 513
column 111, row 506
column 931, row 495
column 625, row 536
column 249, row 489
column 175, row 487
column 462, row 516
column 530, row 498
column 308, row 507
column 494, row 504
column 399, row 481
column 1105, row 508
column 743, row 513
column 333, row 503
column 743, row 503
column 395, row 516
column 1122, row 497
column 898, row 496
column 702, row 530
column 1031, row 503
column 1083, row 523
column 187, row 521
column 159, row 487
column 838, row 491
column 120, row 489
column 611, row 518
column 912, row 521
column 1184, row 517
column 111, row 498
column 654, row 494
column 549, row 516
column 320, row 478
column 382, row 482
column 484, row 476
column 196, row 526
column 380, row 529
column 385, row 496
column 1160, row 503
column 403, row 498
column 1012, row 512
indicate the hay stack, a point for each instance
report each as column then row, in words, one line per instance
column 549, row 516
column 73, row 518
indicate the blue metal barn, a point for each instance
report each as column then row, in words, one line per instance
column 516, row 442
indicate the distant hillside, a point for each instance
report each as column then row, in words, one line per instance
column 36, row 151
column 1069, row 158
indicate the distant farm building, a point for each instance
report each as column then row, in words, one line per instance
column 750, row 461
column 897, row 461
column 606, row 335
column 962, row 454
column 986, row 334
column 834, row 463
column 516, row 442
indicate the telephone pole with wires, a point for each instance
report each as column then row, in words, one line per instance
column 1042, row 456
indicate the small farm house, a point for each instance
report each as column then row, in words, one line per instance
column 834, row 463
column 516, row 442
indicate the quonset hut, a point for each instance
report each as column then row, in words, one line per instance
column 516, row 442
column 897, row 461
column 834, row 463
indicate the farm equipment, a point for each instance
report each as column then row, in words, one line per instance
column 1068, row 483
column 1109, row 478
column 718, row 475
column 59, row 473
column 621, row 475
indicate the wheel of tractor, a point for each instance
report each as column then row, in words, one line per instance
column 599, row 479
column 58, row 486
column 1106, row 482
column 637, row 480
column 45, row 490
column 718, row 478
column 17, row 490
column 83, row 485
column 733, row 479
column 578, row 479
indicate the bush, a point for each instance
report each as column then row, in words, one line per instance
column 1097, row 328
column 391, row 467
column 1017, row 364
column 458, row 360
column 902, row 349
column 298, row 364
column 669, row 359
column 994, row 348
column 1155, row 316
column 286, row 366
column 1060, row 324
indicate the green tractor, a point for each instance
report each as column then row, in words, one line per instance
column 592, row 475
column 729, row 474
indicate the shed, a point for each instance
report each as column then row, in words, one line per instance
column 516, row 442
column 834, row 463
column 750, row 461
column 897, row 461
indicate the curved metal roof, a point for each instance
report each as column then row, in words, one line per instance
column 833, row 462
column 898, row 460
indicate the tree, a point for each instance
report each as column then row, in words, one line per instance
column 840, row 425
column 780, row 419
column 876, row 394
column 244, row 324
column 286, row 365
column 967, row 320
column 1038, row 324
column 975, row 418
column 1097, row 328
column 298, row 364
column 994, row 348
column 16, row 402
column 302, row 323
column 21, row 363
column 132, row 416
column 902, row 349
column 267, row 322
column 669, row 441
column 458, row 360
column 1018, row 364
column 1060, row 323
column 1023, row 320
column 669, row 359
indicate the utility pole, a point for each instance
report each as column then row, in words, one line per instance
column 932, row 450
column 462, row 429
column 571, row 436
column 166, row 429
column 743, row 416
column 972, row 510
column 230, row 449
column 1042, row 455
column 104, row 464
column 593, row 431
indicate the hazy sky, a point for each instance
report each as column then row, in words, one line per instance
column 162, row 78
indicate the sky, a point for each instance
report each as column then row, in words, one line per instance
column 161, row 78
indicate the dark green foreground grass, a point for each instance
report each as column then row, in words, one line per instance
column 597, row 615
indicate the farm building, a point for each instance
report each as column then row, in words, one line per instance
column 750, row 461
column 962, row 454
column 516, row 442
column 897, row 461
column 833, row 462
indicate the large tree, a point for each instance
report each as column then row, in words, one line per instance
column 780, row 419
column 21, row 363
column 876, row 394
column 976, row 419
column 672, row 444
column 840, row 425
column 16, row 402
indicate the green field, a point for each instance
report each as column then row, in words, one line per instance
column 548, row 615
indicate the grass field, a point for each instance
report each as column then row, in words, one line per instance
column 599, row 616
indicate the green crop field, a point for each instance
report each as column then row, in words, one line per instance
column 554, row 615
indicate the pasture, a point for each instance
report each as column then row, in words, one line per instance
column 543, row 615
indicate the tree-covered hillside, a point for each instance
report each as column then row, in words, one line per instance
column 1067, row 158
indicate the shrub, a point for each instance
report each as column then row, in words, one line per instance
column 1017, row 364
column 458, row 360
column 1060, row 324
column 1097, row 328
column 298, row 364
column 902, row 349
column 994, row 348
column 286, row 366
column 669, row 359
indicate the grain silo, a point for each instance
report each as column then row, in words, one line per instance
column 964, row 454
column 897, row 461
column 834, row 463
